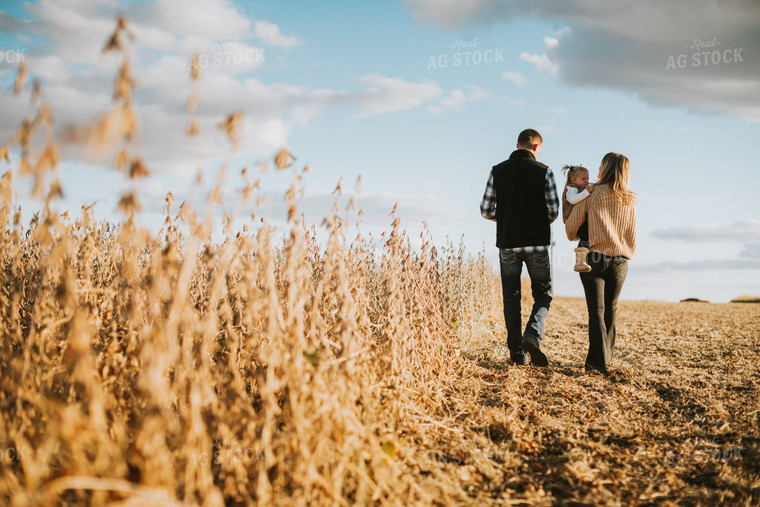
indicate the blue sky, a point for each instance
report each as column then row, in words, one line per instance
column 382, row 90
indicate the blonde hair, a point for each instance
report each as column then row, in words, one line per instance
column 615, row 171
column 572, row 171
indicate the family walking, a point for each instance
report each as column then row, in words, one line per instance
column 521, row 197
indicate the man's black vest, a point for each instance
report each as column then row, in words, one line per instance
column 521, row 215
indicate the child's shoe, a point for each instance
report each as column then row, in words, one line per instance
column 580, row 260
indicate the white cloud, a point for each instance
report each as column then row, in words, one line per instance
column 454, row 12
column 751, row 250
column 745, row 232
column 742, row 231
column 269, row 33
column 516, row 78
column 457, row 98
column 701, row 265
column 77, row 80
column 52, row 69
column 210, row 19
column 543, row 62
column 389, row 94
column 622, row 45
column 61, row 18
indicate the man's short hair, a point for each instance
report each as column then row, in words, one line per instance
column 528, row 138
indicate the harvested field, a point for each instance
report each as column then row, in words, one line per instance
column 677, row 421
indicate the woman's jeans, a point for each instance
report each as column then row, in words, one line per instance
column 602, row 287
column 541, row 287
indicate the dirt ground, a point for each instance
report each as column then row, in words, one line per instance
column 676, row 423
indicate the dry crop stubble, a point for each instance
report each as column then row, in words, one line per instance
column 166, row 369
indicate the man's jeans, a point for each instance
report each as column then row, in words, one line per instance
column 541, row 287
column 602, row 287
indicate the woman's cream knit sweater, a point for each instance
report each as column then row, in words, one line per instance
column 611, row 223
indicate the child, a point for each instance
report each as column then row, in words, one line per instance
column 577, row 188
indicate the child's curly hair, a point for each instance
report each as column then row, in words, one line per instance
column 572, row 171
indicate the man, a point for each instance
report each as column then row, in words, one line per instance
column 521, row 197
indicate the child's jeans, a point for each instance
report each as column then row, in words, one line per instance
column 583, row 235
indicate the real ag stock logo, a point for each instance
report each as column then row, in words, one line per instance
column 12, row 56
column 227, row 53
column 465, row 53
column 704, row 53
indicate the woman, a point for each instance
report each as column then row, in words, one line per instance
column 612, row 241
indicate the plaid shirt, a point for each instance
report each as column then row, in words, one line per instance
column 488, row 208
